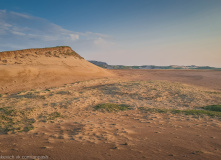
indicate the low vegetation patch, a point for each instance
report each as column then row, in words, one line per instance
column 112, row 107
column 64, row 92
column 212, row 111
column 54, row 115
column 202, row 112
column 156, row 110
column 216, row 108
column 45, row 117
column 13, row 121
column 63, row 104
column 29, row 95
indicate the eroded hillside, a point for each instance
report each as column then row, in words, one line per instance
column 44, row 67
column 19, row 56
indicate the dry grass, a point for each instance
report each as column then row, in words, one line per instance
column 111, row 107
column 51, row 105
column 13, row 120
column 122, row 113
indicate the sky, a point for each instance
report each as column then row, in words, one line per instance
column 126, row 32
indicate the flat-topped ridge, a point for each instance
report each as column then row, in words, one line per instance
column 59, row 51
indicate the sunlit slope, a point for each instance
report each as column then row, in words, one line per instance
column 45, row 67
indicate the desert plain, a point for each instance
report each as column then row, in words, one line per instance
column 61, row 107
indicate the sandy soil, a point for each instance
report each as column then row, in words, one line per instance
column 205, row 78
column 43, row 72
column 62, row 123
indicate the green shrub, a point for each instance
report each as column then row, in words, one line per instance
column 202, row 112
column 216, row 108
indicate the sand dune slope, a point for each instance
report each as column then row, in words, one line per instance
column 42, row 68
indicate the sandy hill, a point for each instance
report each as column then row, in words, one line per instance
column 43, row 68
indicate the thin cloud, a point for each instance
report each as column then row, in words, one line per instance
column 103, row 42
column 21, row 15
column 74, row 36
column 19, row 31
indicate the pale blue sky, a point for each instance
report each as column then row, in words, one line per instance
column 128, row 32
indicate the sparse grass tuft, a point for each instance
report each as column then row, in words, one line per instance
column 28, row 128
column 29, row 95
column 111, row 107
column 63, row 104
column 64, row 92
column 158, row 110
column 54, row 104
column 45, row 117
column 54, row 115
